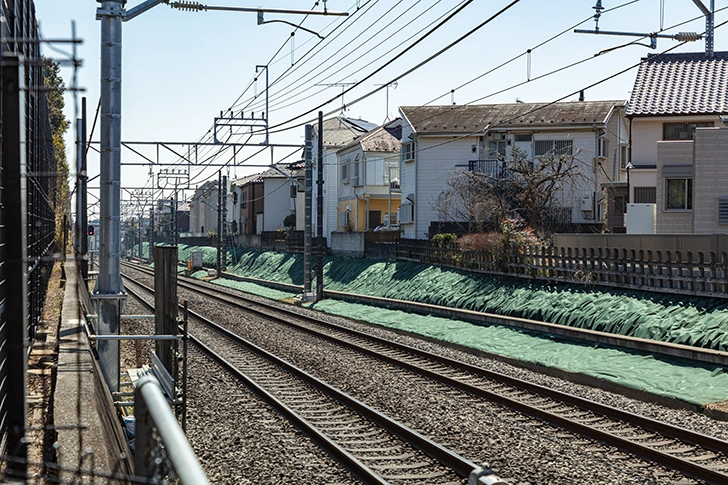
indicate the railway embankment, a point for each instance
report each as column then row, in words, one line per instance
column 686, row 320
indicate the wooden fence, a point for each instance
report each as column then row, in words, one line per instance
column 682, row 272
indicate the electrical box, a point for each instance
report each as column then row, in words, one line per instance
column 196, row 260
column 586, row 203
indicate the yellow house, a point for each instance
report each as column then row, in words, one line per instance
column 369, row 194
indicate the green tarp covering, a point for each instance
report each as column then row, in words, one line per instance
column 680, row 319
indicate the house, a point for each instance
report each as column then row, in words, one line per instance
column 277, row 196
column 369, row 194
column 203, row 209
column 247, row 205
column 337, row 132
column 439, row 140
column 674, row 96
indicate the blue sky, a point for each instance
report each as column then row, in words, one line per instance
column 180, row 69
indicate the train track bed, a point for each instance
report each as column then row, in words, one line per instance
column 386, row 457
column 238, row 440
column 515, row 444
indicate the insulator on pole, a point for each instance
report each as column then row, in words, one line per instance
column 188, row 6
column 687, row 37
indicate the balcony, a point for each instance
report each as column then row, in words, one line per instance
column 490, row 168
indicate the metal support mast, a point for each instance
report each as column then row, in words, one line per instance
column 307, row 231
column 109, row 291
column 321, row 247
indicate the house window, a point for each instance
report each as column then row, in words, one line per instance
column 679, row 194
column 625, row 153
column 620, row 204
column 723, row 210
column 344, row 219
column 682, row 131
column 406, row 213
column 645, row 195
column 603, row 146
column 355, row 179
column 345, row 171
column 498, row 149
column 408, row 152
column 553, row 147
column 522, row 137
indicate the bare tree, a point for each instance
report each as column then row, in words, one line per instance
column 526, row 187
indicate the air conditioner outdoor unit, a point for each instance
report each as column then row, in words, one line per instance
column 355, row 180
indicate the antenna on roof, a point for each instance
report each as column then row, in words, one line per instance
column 680, row 36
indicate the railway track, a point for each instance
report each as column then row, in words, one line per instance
column 376, row 449
column 692, row 454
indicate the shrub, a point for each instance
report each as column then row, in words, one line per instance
column 443, row 240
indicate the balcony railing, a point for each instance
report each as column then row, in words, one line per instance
column 490, row 168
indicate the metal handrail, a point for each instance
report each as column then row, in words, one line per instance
column 161, row 447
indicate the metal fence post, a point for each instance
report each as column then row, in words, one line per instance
column 165, row 302
column 14, row 319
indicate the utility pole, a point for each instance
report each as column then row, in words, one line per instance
column 320, row 211
column 307, row 232
column 223, row 257
column 219, row 223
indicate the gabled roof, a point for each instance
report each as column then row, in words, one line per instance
column 340, row 130
column 248, row 179
column 386, row 138
column 680, row 84
column 465, row 119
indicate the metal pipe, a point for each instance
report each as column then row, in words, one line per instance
column 135, row 337
column 153, row 411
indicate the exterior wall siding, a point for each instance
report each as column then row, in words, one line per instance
column 710, row 179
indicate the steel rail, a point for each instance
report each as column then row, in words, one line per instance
column 444, row 456
column 356, row 467
column 686, row 467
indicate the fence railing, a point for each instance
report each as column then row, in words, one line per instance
column 683, row 272
column 161, row 450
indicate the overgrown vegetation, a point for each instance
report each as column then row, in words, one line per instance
column 60, row 193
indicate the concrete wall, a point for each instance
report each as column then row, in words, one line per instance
column 349, row 244
column 672, row 221
column 710, row 178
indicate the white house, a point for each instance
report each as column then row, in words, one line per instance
column 203, row 209
column 437, row 140
column 278, row 202
column 369, row 194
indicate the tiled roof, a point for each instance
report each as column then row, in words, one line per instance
column 339, row 131
column 384, row 139
column 680, row 84
column 465, row 119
